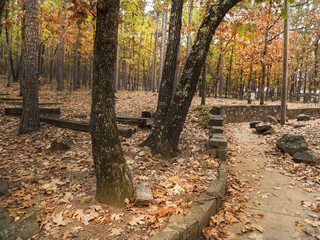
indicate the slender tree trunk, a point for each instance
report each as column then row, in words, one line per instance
column 114, row 183
column 285, row 66
column 228, row 83
column 189, row 25
column 220, row 76
column 203, row 84
column 155, row 51
column 30, row 114
column 60, row 54
column 167, row 142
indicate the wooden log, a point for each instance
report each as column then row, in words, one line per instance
column 148, row 114
column 43, row 111
column 141, row 122
column 4, row 94
column 41, row 104
column 11, row 99
column 83, row 126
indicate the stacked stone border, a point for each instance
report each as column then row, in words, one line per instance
column 242, row 113
column 189, row 227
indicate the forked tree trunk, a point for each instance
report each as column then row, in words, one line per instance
column 114, row 183
column 167, row 141
column 165, row 93
column 30, row 114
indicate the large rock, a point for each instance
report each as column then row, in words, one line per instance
column 270, row 119
column 306, row 156
column 254, row 123
column 22, row 229
column 62, row 144
column 262, row 127
column 5, row 218
column 290, row 143
column 144, row 196
column 303, row 117
column 4, row 188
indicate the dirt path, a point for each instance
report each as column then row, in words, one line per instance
column 275, row 198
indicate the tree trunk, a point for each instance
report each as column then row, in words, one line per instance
column 165, row 93
column 189, row 25
column 30, row 114
column 155, row 51
column 167, row 141
column 163, row 45
column 114, row 183
column 285, row 66
column 203, row 84
column 220, row 76
column 60, row 54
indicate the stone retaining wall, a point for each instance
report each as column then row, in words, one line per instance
column 241, row 113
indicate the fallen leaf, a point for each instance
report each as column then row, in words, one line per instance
column 115, row 232
column 58, row 219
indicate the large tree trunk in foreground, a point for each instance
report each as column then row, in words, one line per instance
column 167, row 82
column 30, row 115
column 114, row 183
column 167, row 141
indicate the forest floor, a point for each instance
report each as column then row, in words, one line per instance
column 60, row 186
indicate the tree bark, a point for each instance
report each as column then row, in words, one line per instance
column 60, row 54
column 163, row 45
column 165, row 93
column 167, row 142
column 114, row 183
column 30, row 114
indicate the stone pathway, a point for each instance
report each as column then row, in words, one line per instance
column 273, row 195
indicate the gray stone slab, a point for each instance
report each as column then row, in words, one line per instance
column 5, row 218
column 187, row 228
column 202, row 210
column 24, row 228
column 166, row 234
column 144, row 196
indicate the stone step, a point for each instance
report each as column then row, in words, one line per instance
column 216, row 120
column 215, row 129
column 216, row 110
column 218, row 141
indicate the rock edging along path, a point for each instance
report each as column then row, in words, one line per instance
column 189, row 227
